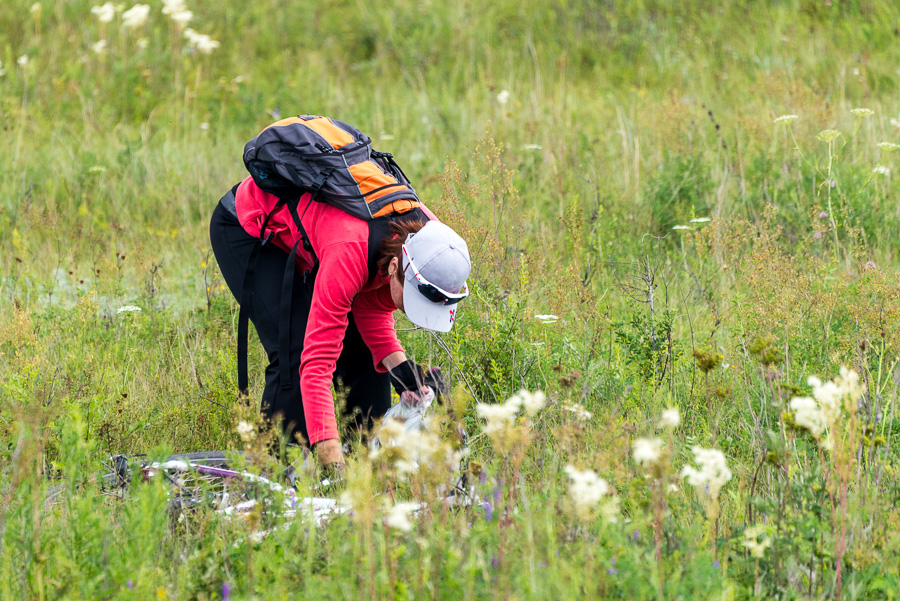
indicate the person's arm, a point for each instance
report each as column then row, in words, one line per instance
column 342, row 274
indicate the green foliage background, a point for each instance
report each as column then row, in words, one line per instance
column 624, row 119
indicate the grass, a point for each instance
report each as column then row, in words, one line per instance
column 621, row 121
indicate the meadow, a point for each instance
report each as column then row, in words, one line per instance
column 682, row 218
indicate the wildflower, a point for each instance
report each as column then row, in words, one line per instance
column 498, row 417
column 532, row 147
column 532, row 402
column 142, row 43
column 647, row 451
column 128, row 309
column 246, row 431
column 672, row 488
column 547, row 318
column 669, row 418
column 862, row 113
column 226, row 591
column 182, row 18
column 104, row 13
column 99, row 47
column 22, row 61
column 786, row 119
column 808, row 414
column 828, row 135
column 579, row 412
column 587, row 490
column 681, row 227
column 200, row 41
column 823, row 215
column 398, row 516
column 881, row 170
column 888, row 146
column 36, row 10
column 204, row 126
column 170, row 7
column 895, row 123
column 757, row 540
column 701, row 220
column 817, row 235
column 136, row 16
column 503, row 97
column 870, row 266
column 713, row 472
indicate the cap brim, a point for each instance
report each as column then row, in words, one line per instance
column 426, row 314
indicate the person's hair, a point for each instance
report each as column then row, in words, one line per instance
column 392, row 245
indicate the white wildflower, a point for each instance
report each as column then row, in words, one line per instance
column 881, row 170
column 246, row 431
column 142, row 43
column 547, row 318
column 807, row 414
column 136, row 16
column 888, row 146
column 757, row 540
column 587, row 490
column 672, row 488
column 36, row 10
column 128, row 309
column 99, row 47
column 701, row 220
column 713, row 472
column 532, row 147
column 862, row 113
column 204, row 126
column 579, row 412
column 200, row 41
column 681, row 227
column 398, row 516
column 895, row 123
column 786, row 119
column 182, row 18
column 499, row 417
column 503, row 97
column 828, row 135
column 647, row 451
column 532, row 402
column 105, row 13
column 22, row 61
column 670, row 418
column 170, row 7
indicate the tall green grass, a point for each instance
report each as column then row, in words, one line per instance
column 565, row 140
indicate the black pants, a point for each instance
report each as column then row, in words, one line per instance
column 366, row 391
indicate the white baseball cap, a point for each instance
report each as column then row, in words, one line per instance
column 435, row 267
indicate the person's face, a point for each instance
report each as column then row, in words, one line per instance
column 396, row 283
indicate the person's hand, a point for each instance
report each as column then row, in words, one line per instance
column 407, row 376
column 329, row 452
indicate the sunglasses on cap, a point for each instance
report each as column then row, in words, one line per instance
column 432, row 292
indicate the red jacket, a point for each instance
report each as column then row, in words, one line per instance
column 340, row 241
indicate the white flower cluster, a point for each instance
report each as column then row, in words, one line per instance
column 670, row 418
column 105, row 13
column 200, row 41
column 410, row 448
column 246, row 431
column 177, row 11
column 757, row 540
column 579, row 412
column 820, row 412
column 587, row 490
column 647, row 451
column 136, row 16
column 502, row 416
column 713, row 472
column 398, row 516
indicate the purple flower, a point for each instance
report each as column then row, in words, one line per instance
column 817, row 235
column 488, row 511
column 226, row 591
column 495, row 563
column 498, row 492
column 482, row 478
column 276, row 113
column 130, row 584
column 823, row 215
column 612, row 571
column 637, row 535
column 716, row 564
